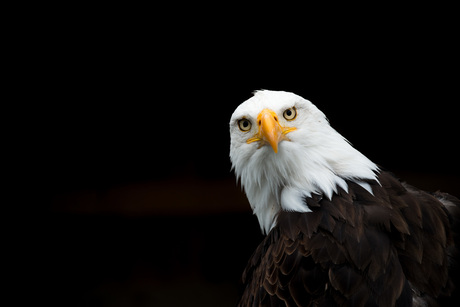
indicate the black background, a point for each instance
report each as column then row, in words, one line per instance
column 108, row 101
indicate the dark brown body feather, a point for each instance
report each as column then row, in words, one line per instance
column 358, row 249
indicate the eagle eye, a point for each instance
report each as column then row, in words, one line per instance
column 290, row 114
column 244, row 124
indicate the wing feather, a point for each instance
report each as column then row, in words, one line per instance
column 357, row 249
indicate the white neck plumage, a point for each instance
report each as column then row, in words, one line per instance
column 275, row 182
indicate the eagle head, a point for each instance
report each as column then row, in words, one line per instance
column 283, row 149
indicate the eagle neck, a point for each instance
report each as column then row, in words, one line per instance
column 275, row 182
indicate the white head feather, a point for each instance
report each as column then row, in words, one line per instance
column 314, row 159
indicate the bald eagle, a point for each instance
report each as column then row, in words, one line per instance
column 340, row 230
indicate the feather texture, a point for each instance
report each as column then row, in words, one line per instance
column 354, row 250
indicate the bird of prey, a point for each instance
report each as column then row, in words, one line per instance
column 340, row 230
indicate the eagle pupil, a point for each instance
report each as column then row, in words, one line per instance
column 245, row 124
column 288, row 112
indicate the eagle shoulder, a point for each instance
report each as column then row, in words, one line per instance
column 356, row 248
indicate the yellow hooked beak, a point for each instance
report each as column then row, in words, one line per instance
column 270, row 130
